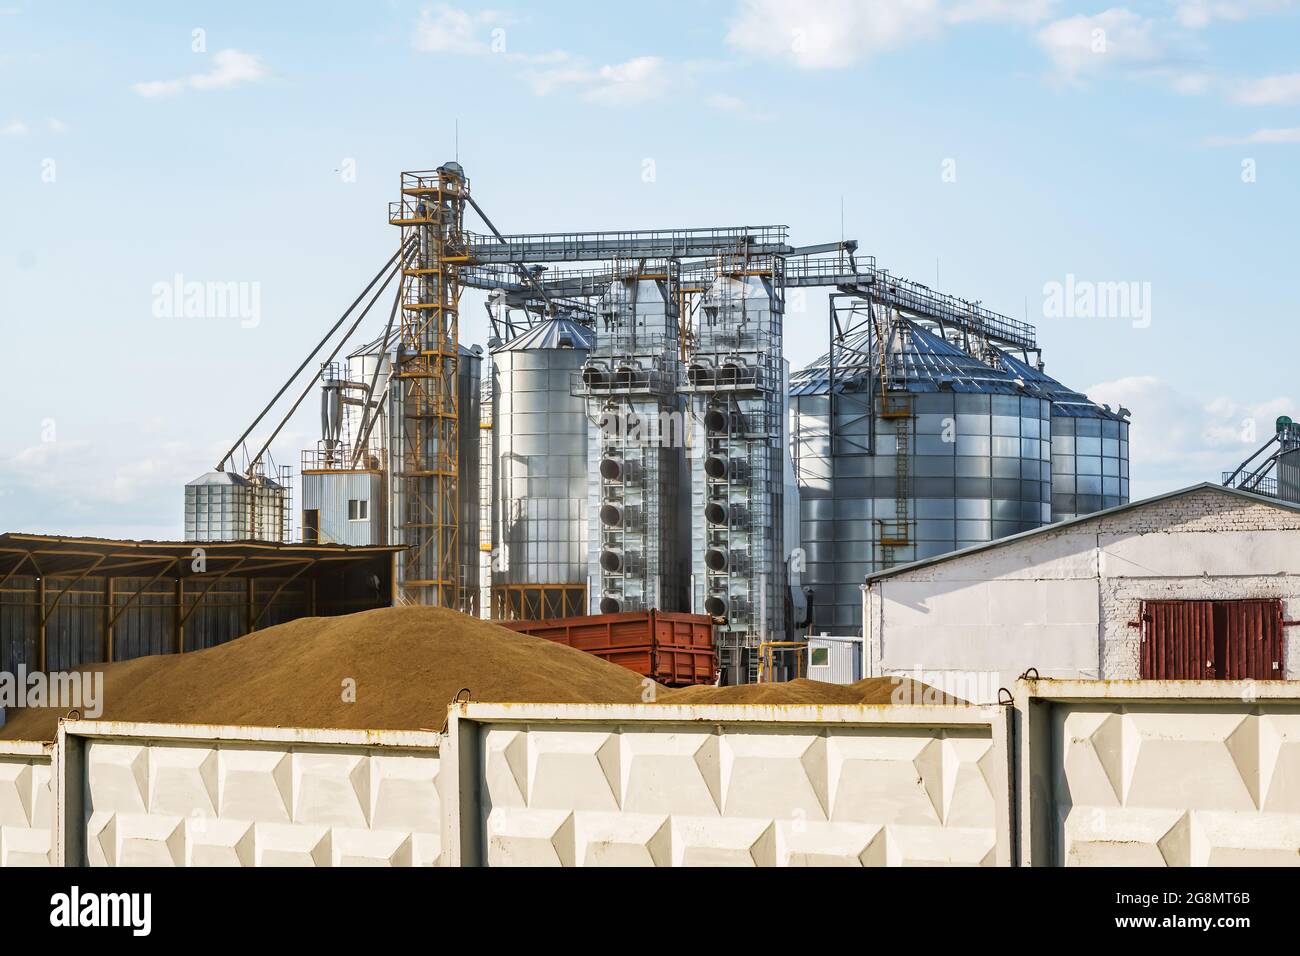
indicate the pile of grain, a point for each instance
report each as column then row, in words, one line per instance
column 405, row 664
column 870, row 690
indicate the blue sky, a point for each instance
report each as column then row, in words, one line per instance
column 999, row 145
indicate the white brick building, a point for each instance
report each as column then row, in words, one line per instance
column 1076, row 599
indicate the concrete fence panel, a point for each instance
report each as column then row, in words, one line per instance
column 27, row 824
column 1159, row 773
column 193, row 795
column 608, row 785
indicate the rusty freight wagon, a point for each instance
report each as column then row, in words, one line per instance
column 672, row 648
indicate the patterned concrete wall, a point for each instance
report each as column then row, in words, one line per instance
column 1151, row 785
column 1158, row 773
column 664, row 794
column 26, row 805
column 197, row 802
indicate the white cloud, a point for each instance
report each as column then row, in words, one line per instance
column 631, row 82
column 229, row 68
column 56, row 125
column 446, row 29
column 125, row 482
column 1199, row 14
column 1176, row 440
column 829, row 34
column 14, row 128
column 1086, row 44
column 1261, row 137
column 735, row 106
column 1191, row 84
column 1016, row 11
column 1269, row 90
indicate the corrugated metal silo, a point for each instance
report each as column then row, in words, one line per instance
column 540, row 482
column 1090, row 450
column 223, row 506
column 976, row 463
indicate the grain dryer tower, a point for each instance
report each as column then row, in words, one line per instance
column 636, row 447
column 735, row 380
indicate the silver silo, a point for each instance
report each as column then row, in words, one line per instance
column 976, row 465
column 735, row 379
column 540, row 483
column 1090, row 450
column 638, row 520
column 223, row 506
column 486, row 506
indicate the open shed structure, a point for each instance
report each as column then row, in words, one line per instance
column 69, row 602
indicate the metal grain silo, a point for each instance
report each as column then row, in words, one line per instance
column 540, row 482
column 1090, row 452
column 223, row 506
column 974, row 449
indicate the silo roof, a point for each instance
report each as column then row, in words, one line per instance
column 926, row 363
column 218, row 478
column 552, row 334
column 1065, row 400
column 378, row 344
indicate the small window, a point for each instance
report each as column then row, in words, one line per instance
column 358, row 509
column 819, row 657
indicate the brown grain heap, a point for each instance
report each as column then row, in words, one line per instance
column 405, row 663
column 869, row 690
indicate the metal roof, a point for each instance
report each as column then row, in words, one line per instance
column 378, row 344
column 551, row 334
column 1072, row 522
column 219, row 478
column 1065, row 400
column 51, row 554
column 925, row 363
column 230, row 478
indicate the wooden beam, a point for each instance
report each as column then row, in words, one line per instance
column 15, row 569
column 108, row 619
column 215, row 581
column 40, row 621
column 46, row 612
column 173, row 562
column 287, row 581
column 179, row 617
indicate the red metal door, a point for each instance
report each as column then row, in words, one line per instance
column 1178, row 640
column 1206, row 640
column 1252, row 641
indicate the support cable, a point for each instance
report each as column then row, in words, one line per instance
column 524, row 273
column 312, row 381
column 369, row 415
column 221, row 465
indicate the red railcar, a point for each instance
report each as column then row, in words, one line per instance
column 672, row 648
